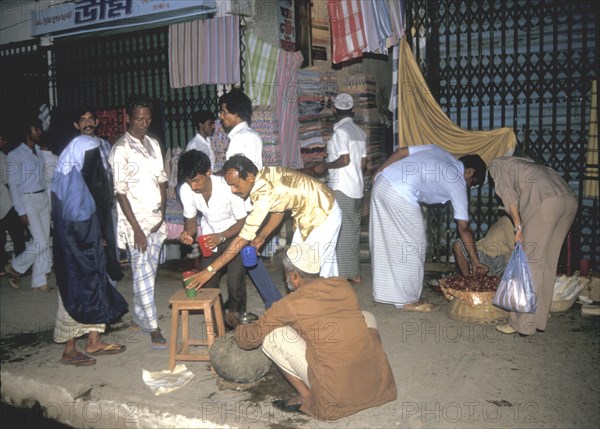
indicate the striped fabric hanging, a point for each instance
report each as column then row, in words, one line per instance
column 204, row 52
column 287, row 107
column 347, row 32
column 261, row 62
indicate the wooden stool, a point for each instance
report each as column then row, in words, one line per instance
column 205, row 300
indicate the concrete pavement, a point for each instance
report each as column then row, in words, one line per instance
column 449, row 374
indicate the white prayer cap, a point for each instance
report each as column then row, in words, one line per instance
column 343, row 101
column 304, row 257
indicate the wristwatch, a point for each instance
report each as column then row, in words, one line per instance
column 518, row 227
column 222, row 238
column 210, row 269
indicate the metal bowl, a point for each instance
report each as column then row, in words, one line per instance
column 247, row 318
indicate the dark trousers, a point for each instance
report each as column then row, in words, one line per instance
column 264, row 284
column 236, row 278
column 12, row 224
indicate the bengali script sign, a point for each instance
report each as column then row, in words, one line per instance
column 89, row 15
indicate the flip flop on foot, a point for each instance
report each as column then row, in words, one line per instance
column 14, row 282
column 8, row 268
column 79, row 360
column 108, row 349
column 420, row 307
column 157, row 341
column 44, row 288
column 286, row 406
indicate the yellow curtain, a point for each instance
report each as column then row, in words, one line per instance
column 590, row 186
column 422, row 121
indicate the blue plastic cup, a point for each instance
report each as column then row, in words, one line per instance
column 249, row 257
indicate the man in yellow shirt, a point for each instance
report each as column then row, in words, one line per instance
column 273, row 191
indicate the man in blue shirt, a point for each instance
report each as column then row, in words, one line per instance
column 411, row 176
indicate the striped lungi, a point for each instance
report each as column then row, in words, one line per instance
column 66, row 328
column 348, row 245
column 287, row 349
column 398, row 245
column 144, row 266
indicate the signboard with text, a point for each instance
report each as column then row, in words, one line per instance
column 82, row 16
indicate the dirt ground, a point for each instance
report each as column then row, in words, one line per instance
column 449, row 374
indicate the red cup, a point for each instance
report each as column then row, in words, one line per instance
column 206, row 251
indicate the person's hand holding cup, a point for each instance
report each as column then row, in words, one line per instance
column 187, row 278
column 205, row 246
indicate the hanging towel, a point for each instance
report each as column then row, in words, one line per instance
column 347, row 32
column 261, row 62
column 590, row 185
column 396, row 10
column 222, row 48
column 377, row 25
column 185, row 54
column 204, row 51
column 287, row 108
column 393, row 105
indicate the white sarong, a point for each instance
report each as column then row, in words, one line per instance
column 398, row 246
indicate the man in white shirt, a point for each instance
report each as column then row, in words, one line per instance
column 235, row 112
column 141, row 188
column 346, row 162
column 411, row 176
column 205, row 126
column 9, row 219
column 223, row 216
column 26, row 178
column 204, row 121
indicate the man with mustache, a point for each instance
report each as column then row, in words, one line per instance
column 141, row 189
column 85, row 250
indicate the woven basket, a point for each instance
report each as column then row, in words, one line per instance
column 473, row 299
column 563, row 305
column 483, row 313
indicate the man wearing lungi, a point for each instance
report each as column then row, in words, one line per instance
column 141, row 189
column 346, row 162
column 410, row 176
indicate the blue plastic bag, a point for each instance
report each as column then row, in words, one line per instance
column 515, row 291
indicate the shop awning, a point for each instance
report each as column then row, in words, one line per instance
column 91, row 16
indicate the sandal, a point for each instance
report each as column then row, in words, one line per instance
column 79, row 360
column 8, row 268
column 423, row 307
column 109, row 349
column 14, row 282
column 157, row 341
column 44, row 288
column 283, row 405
